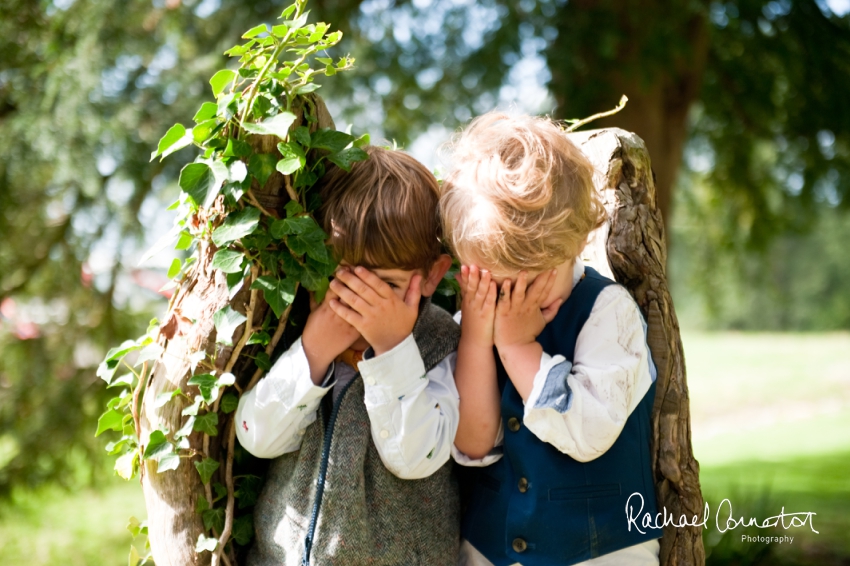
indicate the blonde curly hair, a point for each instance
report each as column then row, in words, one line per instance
column 520, row 195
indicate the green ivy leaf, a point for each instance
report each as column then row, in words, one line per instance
column 229, row 402
column 199, row 181
column 220, row 80
column 275, row 126
column 205, row 543
column 297, row 225
column 163, row 398
column 263, row 361
column 127, row 465
column 288, row 165
column 205, row 112
column 307, row 88
column 261, row 337
column 279, row 293
column 184, row 241
column 226, row 322
column 346, row 157
column 237, row 148
column 174, row 268
column 248, row 490
column 261, row 166
column 186, row 429
column 228, row 261
column 236, row 225
column 220, row 491
column 158, row 446
column 293, row 208
column 107, row 367
column 243, row 529
column 192, row 409
column 213, row 518
column 331, row 140
column 175, row 138
column 110, row 420
column 167, row 462
column 206, row 468
column 207, row 423
column 202, row 132
column 255, row 31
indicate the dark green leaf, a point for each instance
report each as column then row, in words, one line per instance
column 276, row 126
column 293, row 208
column 220, row 80
column 305, row 179
column 279, row 293
column 346, row 157
column 261, row 166
column 229, row 402
column 307, row 88
column 198, row 180
column 236, row 225
column 207, row 423
column 234, row 283
column 302, row 136
column 263, row 362
column 220, row 491
column 331, row 140
column 228, row 261
column 237, row 148
column 214, row 518
column 243, row 529
column 261, row 106
column 158, row 446
column 261, row 337
column 206, row 468
column 297, row 225
column 110, row 420
column 248, row 490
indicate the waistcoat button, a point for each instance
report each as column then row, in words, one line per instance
column 513, row 424
column 519, row 545
column 522, row 485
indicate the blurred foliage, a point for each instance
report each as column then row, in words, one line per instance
column 87, row 87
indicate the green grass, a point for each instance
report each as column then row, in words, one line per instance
column 86, row 528
column 771, row 428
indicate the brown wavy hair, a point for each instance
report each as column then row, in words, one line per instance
column 384, row 213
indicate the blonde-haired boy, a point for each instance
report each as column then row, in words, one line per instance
column 555, row 430
column 362, row 476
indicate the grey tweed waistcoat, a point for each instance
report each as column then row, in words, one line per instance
column 367, row 515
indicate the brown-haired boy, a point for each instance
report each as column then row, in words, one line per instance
column 368, row 481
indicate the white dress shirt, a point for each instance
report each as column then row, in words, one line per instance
column 414, row 414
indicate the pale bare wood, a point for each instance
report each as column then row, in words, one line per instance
column 170, row 497
column 631, row 249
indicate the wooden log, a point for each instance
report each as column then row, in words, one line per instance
column 631, row 248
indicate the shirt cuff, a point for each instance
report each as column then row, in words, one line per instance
column 393, row 374
column 290, row 376
column 550, row 389
column 490, row 458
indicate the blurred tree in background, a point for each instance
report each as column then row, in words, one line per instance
column 742, row 105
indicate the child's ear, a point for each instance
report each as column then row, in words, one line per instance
column 435, row 275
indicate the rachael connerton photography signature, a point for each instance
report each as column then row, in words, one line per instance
column 724, row 520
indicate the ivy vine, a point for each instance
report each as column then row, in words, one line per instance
column 258, row 250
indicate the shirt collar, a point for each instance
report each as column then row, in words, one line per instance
column 578, row 271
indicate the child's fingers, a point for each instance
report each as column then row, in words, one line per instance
column 414, row 292
column 345, row 313
column 518, row 295
column 349, row 297
column 541, row 287
column 490, row 300
column 355, row 283
column 483, row 288
column 472, row 281
column 464, row 276
column 550, row 312
column 380, row 287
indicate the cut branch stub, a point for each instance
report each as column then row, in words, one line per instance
column 630, row 248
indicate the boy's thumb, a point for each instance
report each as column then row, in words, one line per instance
column 414, row 292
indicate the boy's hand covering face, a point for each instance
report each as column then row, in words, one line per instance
column 519, row 318
column 478, row 305
column 326, row 335
column 369, row 304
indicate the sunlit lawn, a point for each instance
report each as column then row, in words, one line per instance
column 768, row 411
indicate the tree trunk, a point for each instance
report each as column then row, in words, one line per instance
column 607, row 48
column 631, row 249
column 171, row 497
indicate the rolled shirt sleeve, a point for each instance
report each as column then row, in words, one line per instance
column 581, row 408
column 414, row 414
column 272, row 417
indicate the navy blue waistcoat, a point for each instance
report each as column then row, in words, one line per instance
column 539, row 506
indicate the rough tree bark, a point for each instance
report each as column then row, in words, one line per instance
column 170, row 497
column 631, row 249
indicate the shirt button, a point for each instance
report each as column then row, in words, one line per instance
column 513, row 424
column 522, row 485
column 385, row 434
column 370, row 380
column 302, row 431
column 519, row 545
